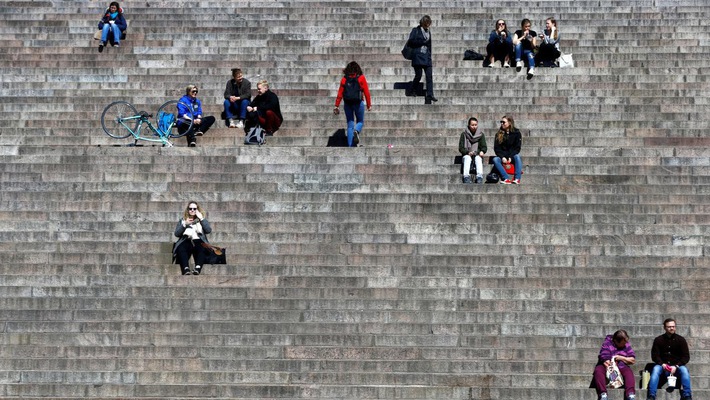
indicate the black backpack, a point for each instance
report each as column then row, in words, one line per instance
column 352, row 92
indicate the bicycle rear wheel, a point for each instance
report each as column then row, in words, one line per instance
column 115, row 120
column 169, row 125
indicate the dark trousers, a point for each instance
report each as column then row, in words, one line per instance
column 626, row 373
column 203, row 127
column 189, row 248
column 547, row 53
column 429, row 78
column 499, row 51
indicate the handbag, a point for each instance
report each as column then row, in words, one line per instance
column 613, row 375
column 214, row 254
column 407, row 52
column 566, row 61
column 473, row 55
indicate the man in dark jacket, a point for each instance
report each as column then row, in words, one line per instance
column 265, row 109
column 670, row 354
column 236, row 99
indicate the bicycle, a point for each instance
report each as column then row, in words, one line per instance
column 120, row 120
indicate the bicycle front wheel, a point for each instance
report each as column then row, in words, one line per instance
column 170, row 125
column 119, row 119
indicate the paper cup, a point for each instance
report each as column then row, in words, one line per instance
column 671, row 381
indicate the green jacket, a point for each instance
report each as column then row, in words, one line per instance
column 482, row 147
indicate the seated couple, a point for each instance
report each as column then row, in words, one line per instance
column 507, row 144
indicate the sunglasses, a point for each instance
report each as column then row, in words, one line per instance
column 194, row 91
column 501, row 23
column 502, row 122
column 192, row 209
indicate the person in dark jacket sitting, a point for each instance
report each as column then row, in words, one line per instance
column 114, row 23
column 265, row 109
column 500, row 45
column 508, row 142
column 191, row 230
column 236, row 98
column 420, row 41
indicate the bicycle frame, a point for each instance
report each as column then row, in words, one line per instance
column 121, row 120
column 143, row 117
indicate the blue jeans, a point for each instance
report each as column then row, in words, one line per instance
column 520, row 52
column 238, row 107
column 352, row 112
column 501, row 171
column 682, row 374
column 116, row 33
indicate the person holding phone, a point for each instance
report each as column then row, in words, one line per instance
column 525, row 40
column 113, row 23
column 549, row 50
column 191, row 230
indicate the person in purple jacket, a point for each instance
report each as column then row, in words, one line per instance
column 618, row 347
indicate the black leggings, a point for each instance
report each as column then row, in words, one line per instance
column 189, row 248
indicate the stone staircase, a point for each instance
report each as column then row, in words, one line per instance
column 367, row 273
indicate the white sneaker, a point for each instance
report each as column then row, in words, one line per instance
column 506, row 65
column 231, row 123
column 240, row 124
column 519, row 65
column 531, row 73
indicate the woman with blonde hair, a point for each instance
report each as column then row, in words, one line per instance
column 265, row 109
column 549, row 50
column 191, row 230
column 200, row 124
column 507, row 144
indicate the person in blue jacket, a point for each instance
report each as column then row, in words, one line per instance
column 200, row 123
column 114, row 23
column 420, row 41
column 500, row 45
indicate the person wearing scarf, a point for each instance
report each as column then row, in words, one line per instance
column 112, row 22
column 420, row 41
column 472, row 146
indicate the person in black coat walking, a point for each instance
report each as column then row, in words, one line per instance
column 420, row 41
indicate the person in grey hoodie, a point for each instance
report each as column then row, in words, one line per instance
column 472, row 146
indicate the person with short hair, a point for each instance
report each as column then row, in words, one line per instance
column 354, row 108
column 113, row 23
column 200, row 124
column 500, row 45
column 191, row 230
column 670, row 354
column 265, row 109
column 420, row 41
column 236, row 99
column 507, row 144
column 472, row 146
column 616, row 347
